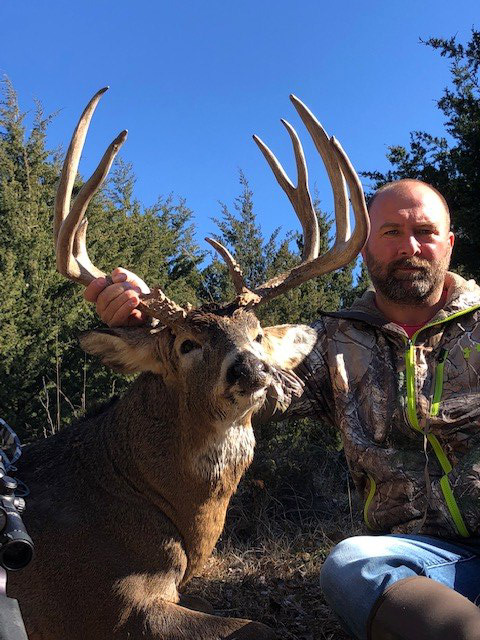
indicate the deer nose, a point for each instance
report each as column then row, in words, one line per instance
column 248, row 371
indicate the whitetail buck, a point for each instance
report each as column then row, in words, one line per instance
column 126, row 506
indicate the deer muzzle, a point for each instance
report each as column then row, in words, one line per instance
column 249, row 373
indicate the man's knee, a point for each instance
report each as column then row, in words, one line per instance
column 359, row 569
column 347, row 561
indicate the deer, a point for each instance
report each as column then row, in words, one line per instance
column 127, row 505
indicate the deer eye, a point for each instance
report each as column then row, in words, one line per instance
column 188, row 345
column 259, row 338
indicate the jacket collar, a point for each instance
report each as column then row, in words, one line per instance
column 462, row 295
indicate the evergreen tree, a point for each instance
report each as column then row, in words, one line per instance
column 240, row 232
column 452, row 164
column 45, row 379
column 261, row 259
column 26, row 255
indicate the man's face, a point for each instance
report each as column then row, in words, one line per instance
column 409, row 247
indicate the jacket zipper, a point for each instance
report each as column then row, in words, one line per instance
column 432, row 439
column 438, row 383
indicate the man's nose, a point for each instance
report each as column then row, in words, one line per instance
column 409, row 246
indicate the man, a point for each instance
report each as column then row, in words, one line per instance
column 399, row 375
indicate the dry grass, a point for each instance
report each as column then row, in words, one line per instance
column 274, row 581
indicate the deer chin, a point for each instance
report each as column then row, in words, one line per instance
column 236, row 404
column 247, row 402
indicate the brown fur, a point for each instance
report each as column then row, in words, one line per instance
column 126, row 506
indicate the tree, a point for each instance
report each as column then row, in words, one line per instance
column 451, row 164
column 240, row 232
column 45, row 379
column 261, row 258
column 26, row 252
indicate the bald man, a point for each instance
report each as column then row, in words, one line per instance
column 399, row 375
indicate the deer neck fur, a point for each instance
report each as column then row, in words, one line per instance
column 205, row 460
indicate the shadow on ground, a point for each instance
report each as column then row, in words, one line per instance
column 276, row 583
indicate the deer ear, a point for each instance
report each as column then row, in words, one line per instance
column 127, row 350
column 288, row 344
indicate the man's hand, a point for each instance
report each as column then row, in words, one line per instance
column 116, row 304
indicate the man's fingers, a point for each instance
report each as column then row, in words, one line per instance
column 111, row 293
column 116, row 304
column 119, row 275
column 120, row 316
column 93, row 290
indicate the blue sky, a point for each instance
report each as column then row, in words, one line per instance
column 193, row 81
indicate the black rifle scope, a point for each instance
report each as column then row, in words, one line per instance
column 16, row 546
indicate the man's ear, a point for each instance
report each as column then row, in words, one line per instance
column 286, row 345
column 128, row 350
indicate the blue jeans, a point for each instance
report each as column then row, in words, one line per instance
column 359, row 569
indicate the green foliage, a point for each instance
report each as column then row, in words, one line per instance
column 451, row 164
column 45, row 378
column 262, row 258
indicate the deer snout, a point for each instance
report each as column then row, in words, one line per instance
column 248, row 372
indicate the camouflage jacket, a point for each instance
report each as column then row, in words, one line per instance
column 408, row 411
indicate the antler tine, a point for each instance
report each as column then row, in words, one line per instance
column 357, row 197
column 75, row 264
column 79, row 249
column 233, row 268
column 322, row 144
column 299, row 196
column 70, row 165
column 69, row 232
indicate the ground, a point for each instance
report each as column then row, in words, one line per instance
column 275, row 582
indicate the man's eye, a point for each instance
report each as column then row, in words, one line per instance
column 188, row 345
column 391, row 232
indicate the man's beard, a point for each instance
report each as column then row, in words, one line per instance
column 412, row 288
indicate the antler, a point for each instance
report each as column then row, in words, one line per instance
column 245, row 297
column 340, row 171
column 70, row 225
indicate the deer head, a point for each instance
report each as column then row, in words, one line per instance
column 220, row 358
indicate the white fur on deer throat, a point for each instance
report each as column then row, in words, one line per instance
column 227, row 449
